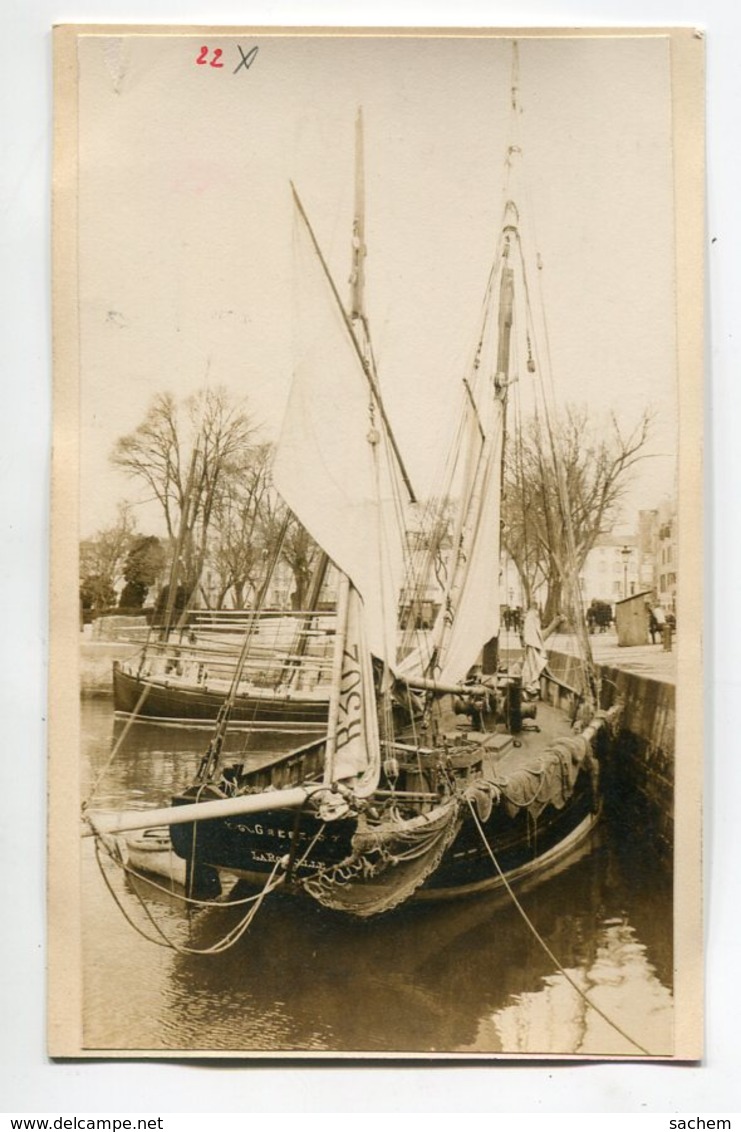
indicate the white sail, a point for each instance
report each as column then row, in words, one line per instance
column 332, row 466
column 536, row 655
column 470, row 615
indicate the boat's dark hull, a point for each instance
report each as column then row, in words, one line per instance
column 507, row 841
column 251, row 847
column 189, row 704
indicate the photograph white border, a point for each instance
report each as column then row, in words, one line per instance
column 36, row 1084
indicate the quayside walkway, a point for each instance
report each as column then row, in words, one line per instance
column 645, row 660
column 650, row 661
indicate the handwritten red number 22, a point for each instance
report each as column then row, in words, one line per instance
column 203, row 58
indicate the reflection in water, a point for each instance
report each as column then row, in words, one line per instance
column 555, row 1018
column 461, row 977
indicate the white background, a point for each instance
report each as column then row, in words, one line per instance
column 28, row 1081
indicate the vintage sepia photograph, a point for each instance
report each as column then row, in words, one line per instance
column 375, row 723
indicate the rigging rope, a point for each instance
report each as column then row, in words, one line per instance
column 542, row 942
column 571, row 574
column 515, row 172
column 116, row 748
column 149, row 880
column 228, row 940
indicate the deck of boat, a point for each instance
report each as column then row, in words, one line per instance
column 505, row 753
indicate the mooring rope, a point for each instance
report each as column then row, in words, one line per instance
column 312, row 843
column 227, row 941
column 149, row 880
column 543, row 943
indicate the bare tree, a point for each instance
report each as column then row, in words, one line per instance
column 241, row 519
column 102, row 560
column 297, row 548
column 301, row 553
column 184, row 454
column 563, row 487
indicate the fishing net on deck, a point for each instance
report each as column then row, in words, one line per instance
column 551, row 778
column 389, row 861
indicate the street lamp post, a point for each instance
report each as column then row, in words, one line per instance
column 626, row 552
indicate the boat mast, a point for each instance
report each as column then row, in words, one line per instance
column 489, row 376
column 357, row 274
column 357, row 317
column 359, row 322
column 572, row 588
column 367, row 369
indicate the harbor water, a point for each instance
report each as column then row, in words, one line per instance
column 466, row 977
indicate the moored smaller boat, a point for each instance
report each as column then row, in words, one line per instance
column 150, row 851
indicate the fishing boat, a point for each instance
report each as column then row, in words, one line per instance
column 184, row 678
column 497, row 779
column 187, row 666
column 150, row 852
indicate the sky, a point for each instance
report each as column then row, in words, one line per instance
column 185, row 224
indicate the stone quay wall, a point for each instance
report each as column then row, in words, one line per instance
column 640, row 775
column 96, row 665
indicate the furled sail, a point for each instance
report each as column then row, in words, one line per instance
column 353, row 749
column 333, row 466
column 470, row 613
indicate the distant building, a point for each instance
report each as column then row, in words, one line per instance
column 611, row 569
column 428, row 560
column 657, row 553
column 667, row 557
column 620, row 565
column 648, row 549
column 278, row 596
